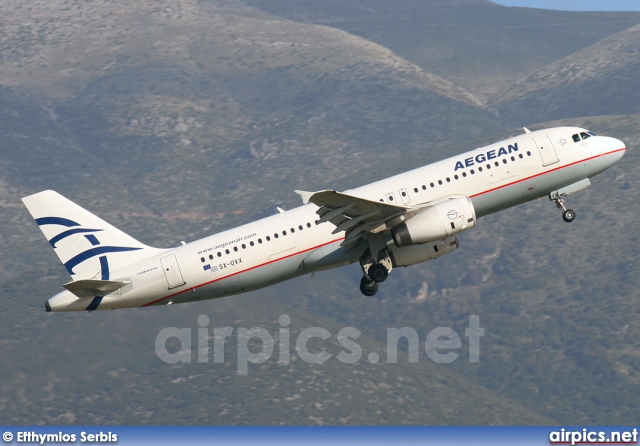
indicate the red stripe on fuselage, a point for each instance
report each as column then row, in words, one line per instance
column 548, row 171
column 243, row 271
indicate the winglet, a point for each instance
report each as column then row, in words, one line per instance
column 304, row 195
column 526, row 130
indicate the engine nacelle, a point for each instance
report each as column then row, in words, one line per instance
column 414, row 254
column 436, row 222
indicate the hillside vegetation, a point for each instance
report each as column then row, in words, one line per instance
column 177, row 119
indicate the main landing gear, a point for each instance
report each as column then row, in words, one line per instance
column 568, row 215
column 368, row 287
column 374, row 271
column 369, row 282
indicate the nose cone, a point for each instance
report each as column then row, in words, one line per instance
column 619, row 148
column 612, row 148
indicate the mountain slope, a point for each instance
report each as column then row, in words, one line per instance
column 473, row 43
column 598, row 80
column 174, row 120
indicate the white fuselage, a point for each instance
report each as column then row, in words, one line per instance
column 290, row 243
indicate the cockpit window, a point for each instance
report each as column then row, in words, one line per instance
column 582, row 136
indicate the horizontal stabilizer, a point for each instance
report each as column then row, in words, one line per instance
column 92, row 288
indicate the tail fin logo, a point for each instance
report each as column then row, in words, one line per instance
column 97, row 250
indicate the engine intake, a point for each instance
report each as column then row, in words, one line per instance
column 436, row 222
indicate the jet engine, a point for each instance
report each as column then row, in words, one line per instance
column 414, row 254
column 442, row 220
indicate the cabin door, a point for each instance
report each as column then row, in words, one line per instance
column 172, row 271
column 546, row 149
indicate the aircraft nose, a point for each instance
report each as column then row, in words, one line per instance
column 620, row 147
column 613, row 146
column 619, row 144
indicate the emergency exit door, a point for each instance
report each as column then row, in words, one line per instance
column 172, row 271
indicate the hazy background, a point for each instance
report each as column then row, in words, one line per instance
column 575, row 5
column 177, row 119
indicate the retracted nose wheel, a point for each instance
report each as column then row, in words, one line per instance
column 569, row 215
column 368, row 287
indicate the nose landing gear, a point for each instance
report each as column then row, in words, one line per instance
column 568, row 215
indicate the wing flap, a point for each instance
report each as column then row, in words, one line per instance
column 354, row 215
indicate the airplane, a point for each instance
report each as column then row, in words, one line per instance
column 396, row 222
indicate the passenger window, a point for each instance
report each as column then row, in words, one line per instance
column 235, row 249
column 210, row 256
column 202, row 259
column 244, row 246
column 576, row 138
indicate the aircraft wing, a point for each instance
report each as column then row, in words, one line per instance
column 357, row 216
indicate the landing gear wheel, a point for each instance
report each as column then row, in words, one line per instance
column 569, row 215
column 378, row 272
column 368, row 287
